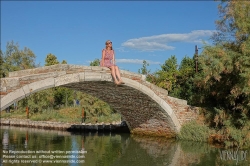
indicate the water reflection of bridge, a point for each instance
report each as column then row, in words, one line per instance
column 115, row 149
column 125, row 149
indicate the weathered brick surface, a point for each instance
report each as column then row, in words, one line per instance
column 147, row 108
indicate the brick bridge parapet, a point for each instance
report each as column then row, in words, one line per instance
column 146, row 108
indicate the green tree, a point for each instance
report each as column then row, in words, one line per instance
column 2, row 74
column 63, row 96
column 95, row 106
column 51, row 60
column 64, row 62
column 49, row 98
column 170, row 64
column 144, row 69
column 226, row 65
column 96, row 62
column 185, row 79
column 38, row 101
column 166, row 77
column 15, row 59
column 224, row 83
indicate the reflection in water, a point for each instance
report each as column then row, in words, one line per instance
column 26, row 140
column 158, row 151
column 5, row 139
column 48, row 147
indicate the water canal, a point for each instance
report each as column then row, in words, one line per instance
column 37, row 147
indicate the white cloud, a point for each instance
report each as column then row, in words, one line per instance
column 135, row 61
column 121, row 49
column 161, row 42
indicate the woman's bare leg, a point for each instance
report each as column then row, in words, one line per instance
column 117, row 72
column 112, row 68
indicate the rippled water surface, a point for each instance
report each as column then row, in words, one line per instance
column 36, row 147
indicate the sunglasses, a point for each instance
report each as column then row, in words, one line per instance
column 109, row 43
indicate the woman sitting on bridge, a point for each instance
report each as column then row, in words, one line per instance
column 108, row 60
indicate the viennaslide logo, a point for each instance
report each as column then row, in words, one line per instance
column 233, row 155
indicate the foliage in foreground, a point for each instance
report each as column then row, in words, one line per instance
column 227, row 135
column 224, row 83
column 225, row 131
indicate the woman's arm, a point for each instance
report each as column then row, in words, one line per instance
column 102, row 60
column 114, row 57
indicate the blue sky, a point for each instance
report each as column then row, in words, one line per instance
column 76, row 31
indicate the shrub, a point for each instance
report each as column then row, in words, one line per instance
column 194, row 132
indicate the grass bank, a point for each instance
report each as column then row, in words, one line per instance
column 68, row 114
column 225, row 136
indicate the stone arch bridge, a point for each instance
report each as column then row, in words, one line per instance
column 146, row 108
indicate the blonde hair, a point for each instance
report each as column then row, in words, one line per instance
column 106, row 43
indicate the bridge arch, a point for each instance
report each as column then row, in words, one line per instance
column 146, row 108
